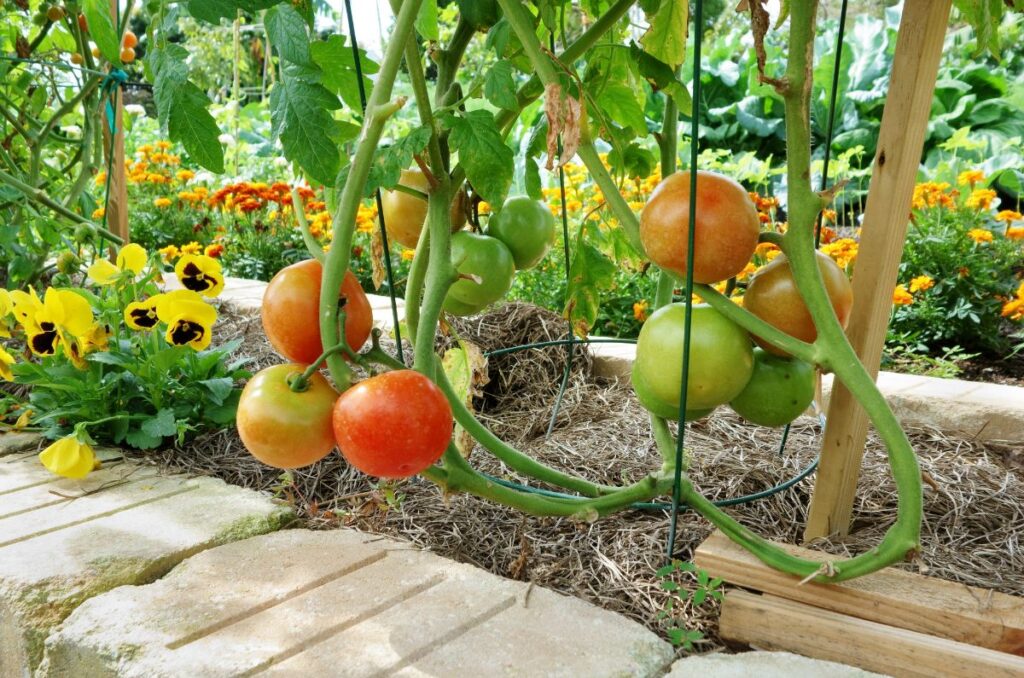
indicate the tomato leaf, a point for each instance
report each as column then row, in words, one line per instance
column 665, row 40
column 662, row 77
column 378, row 269
column 426, row 21
column 287, row 31
column 466, row 368
column 102, row 29
column 499, row 87
column 334, row 57
column 389, row 161
column 300, row 115
column 488, row 162
column 182, row 108
column 589, row 274
column 212, row 11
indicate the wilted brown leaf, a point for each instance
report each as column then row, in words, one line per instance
column 377, row 259
column 563, row 113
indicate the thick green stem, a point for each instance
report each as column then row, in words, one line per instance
column 312, row 246
column 42, row 198
column 378, row 110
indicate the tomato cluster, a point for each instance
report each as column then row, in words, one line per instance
column 765, row 386
column 393, row 425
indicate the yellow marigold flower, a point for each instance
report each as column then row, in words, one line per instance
column 69, row 457
column 191, row 248
column 101, row 178
column 161, row 202
column 6, row 360
column 185, row 175
column 408, row 255
column 921, row 283
column 771, row 254
column 163, row 145
column 981, row 198
column 1015, row 233
column 901, row 297
column 142, row 315
column 980, row 235
column 144, row 149
column 640, row 310
column 200, row 273
column 98, row 213
column 1009, row 216
column 132, row 257
column 747, row 271
column 189, row 319
column 763, row 248
column 483, row 207
column 1014, row 308
column 970, row 177
column 170, row 252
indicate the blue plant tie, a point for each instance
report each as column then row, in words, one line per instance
column 112, row 81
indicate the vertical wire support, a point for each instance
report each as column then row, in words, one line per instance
column 565, row 249
column 830, row 125
column 698, row 22
column 380, row 206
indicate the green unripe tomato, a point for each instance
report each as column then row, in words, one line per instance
column 84, row 233
column 660, row 408
column 485, row 258
column 480, row 14
column 721, row 357
column 527, row 228
column 68, row 263
column 779, row 390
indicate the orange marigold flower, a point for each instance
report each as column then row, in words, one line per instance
column 970, row 177
column 214, row 251
column 1015, row 233
column 829, row 215
column 640, row 310
column 98, row 213
column 827, row 234
column 1014, row 308
column 901, row 297
column 407, row 254
column 163, row 145
column 921, row 283
column 981, row 198
column 191, row 248
column 169, row 253
column 1009, row 216
column 763, row 248
column 185, row 175
column 980, row 235
column 963, row 272
column 162, row 202
column 101, row 178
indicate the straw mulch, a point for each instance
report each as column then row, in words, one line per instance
column 974, row 495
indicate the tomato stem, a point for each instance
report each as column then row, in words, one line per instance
column 312, row 246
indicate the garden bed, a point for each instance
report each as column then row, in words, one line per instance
column 974, row 494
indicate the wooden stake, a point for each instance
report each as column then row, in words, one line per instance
column 117, row 202
column 900, row 143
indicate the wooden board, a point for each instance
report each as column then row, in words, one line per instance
column 894, row 597
column 772, row 623
column 900, row 143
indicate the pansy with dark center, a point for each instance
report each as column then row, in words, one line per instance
column 184, row 332
column 195, row 280
column 45, row 341
column 200, row 273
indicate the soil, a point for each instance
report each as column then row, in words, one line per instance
column 994, row 370
column 973, row 515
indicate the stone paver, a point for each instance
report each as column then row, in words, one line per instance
column 343, row 603
column 762, row 665
column 63, row 541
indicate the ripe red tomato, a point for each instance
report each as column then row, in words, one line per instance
column 127, row 55
column 527, row 228
column 393, row 425
column 83, row 24
column 721, row 358
column 281, row 427
column 404, row 214
column 726, row 233
column 772, row 295
column 129, row 39
column 291, row 312
column 489, row 260
column 778, row 392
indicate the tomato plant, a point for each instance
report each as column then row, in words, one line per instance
column 659, row 407
column 487, row 269
column 393, row 425
column 721, row 357
column 404, row 214
column 291, row 312
column 284, row 428
column 779, row 390
column 527, row 228
column 773, row 296
column 725, row 236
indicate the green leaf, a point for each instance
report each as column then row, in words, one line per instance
column 212, row 11
column 662, row 77
column 984, row 17
column 500, row 88
column 334, row 57
column 141, row 440
column 665, row 40
column 466, row 368
column 162, row 425
column 224, row 414
column 191, row 125
column 590, row 273
column 220, row 388
column 488, row 162
column 106, row 358
column 102, row 29
column 300, row 115
column 389, row 161
column 426, row 21
column 287, row 31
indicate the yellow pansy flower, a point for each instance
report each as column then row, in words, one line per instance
column 189, row 319
column 60, row 319
column 200, row 273
column 69, row 457
column 6, row 306
column 132, row 257
column 142, row 315
column 6, row 360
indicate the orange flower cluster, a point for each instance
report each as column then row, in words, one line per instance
column 1014, row 307
column 934, row 194
column 247, row 196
